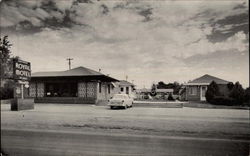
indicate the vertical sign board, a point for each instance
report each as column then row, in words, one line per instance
column 21, row 73
column 21, row 70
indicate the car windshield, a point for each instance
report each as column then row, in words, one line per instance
column 120, row 96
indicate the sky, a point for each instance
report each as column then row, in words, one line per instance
column 149, row 41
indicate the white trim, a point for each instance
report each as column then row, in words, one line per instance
column 196, row 84
column 202, row 98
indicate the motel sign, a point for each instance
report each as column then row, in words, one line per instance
column 21, row 76
column 21, row 70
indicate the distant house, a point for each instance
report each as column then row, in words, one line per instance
column 164, row 91
column 141, row 93
column 124, row 87
column 196, row 90
column 78, row 85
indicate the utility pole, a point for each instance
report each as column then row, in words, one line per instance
column 69, row 59
column 126, row 77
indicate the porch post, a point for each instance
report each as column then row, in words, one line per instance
column 201, row 93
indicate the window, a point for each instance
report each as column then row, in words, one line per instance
column 193, row 90
column 61, row 89
column 109, row 89
column 100, row 87
column 127, row 90
column 121, row 89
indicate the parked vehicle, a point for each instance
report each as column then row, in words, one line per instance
column 120, row 100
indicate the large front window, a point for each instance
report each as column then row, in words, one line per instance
column 193, row 90
column 61, row 89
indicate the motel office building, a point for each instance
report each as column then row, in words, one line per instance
column 78, row 85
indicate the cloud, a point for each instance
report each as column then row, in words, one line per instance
column 146, row 40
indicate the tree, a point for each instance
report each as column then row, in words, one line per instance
column 6, row 89
column 237, row 93
column 175, row 86
column 212, row 91
column 247, row 96
column 153, row 90
column 161, row 85
column 230, row 86
column 5, row 56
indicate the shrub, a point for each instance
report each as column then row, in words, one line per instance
column 146, row 97
column 170, row 97
column 6, row 93
column 212, row 91
column 247, row 96
column 237, row 93
column 153, row 90
column 222, row 100
column 230, row 85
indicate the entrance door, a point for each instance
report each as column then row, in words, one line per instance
column 203, row 93
column 127, row 90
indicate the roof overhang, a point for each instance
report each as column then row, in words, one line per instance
column 196, row 84
column 103, row 78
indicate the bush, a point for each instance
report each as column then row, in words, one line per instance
column 146, row 97
column 237, row 93
column 170, row 97
column 247, row 96
column 222, row 100
column 212, row 91
column 230, row 86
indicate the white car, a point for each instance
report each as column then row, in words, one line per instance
column 120, row 100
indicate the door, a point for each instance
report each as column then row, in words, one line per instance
column 203, row 93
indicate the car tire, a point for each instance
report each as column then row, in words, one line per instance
column 111, row 107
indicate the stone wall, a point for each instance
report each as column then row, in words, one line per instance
column 32, row 89
column 36, row 87
column 87, row 89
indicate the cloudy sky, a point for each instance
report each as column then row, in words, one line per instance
column 149, row 41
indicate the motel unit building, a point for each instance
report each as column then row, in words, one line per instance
column 195, row 90
column 79, row 85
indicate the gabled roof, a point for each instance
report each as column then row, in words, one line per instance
column 75, row 72
column 207, row 79
column 79, row 71
column 125, row 83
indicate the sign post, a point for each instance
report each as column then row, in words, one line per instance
column 21, row 76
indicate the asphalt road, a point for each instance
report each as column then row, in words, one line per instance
column 48, row 143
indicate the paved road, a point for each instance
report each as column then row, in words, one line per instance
column 41, row 143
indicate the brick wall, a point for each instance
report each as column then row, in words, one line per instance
column 195, row 96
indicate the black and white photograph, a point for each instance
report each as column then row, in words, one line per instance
column 124, row 78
